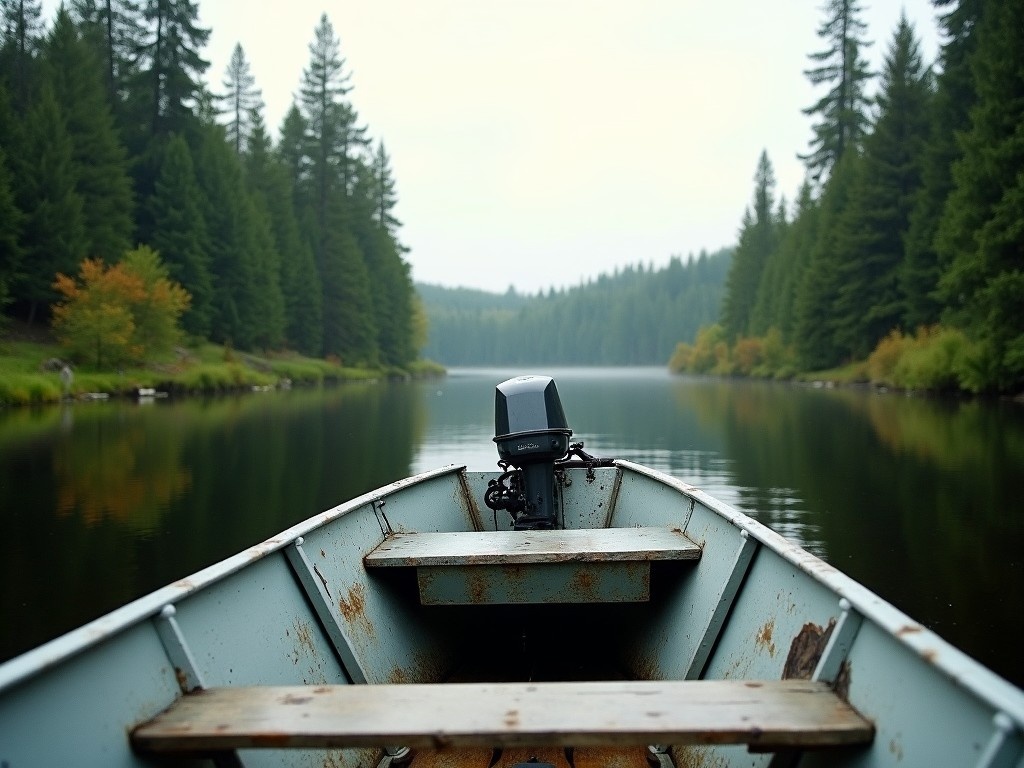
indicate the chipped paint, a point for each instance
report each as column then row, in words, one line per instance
column 806, row 650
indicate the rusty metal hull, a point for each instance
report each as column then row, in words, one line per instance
column 302, row 609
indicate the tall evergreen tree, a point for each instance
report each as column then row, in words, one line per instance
column 240, row 98
column 114, row 28
column 22, row 31
column 819, row 286
column 764, row 312
column 870, row 254
column 954, row 98
column 292, row 148
column 758, row 239
column 842, row 113
column 349, row 331
column 54, row 231
column 979, row 236
column 171, row 64
column 390, row 283
column 333, row 135
column 231, row 254
column 100, row 164
column 383, row 192
column 269, row 179
column 180, row 233
column 11, row 219
column 793, row 257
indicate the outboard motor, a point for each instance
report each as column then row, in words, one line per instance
column 531, row 433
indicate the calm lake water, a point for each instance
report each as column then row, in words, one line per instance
column 919, row 499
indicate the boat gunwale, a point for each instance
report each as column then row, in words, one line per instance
column 962, row 669
column 939, row 653
column 64, row 647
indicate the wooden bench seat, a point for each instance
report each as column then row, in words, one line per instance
column 765, row 715
column 520, row 547
column 573, row 565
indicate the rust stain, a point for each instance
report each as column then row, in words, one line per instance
column 929, row 655
column 304, row 636
column 182, row 679
column 646, row 668
column 842, row 683
column 353, row 609
column 908, row 629
column 764, row 637
column 291, row 698
column 696, row 757
column 610, row 757
column 398, row 676
column 806, row 650
column 512, row 718
column 477, row 588
column 584, row 584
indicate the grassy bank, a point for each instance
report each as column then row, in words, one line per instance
column 26, row 379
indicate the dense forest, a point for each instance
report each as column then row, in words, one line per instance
column 905, row 244
column 634, row 317
column 110, row 139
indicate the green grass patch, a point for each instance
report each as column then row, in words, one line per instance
column 851, row 373
column 200, row 368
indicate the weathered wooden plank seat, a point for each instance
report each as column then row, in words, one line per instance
column 765, row 715
column 574, row 565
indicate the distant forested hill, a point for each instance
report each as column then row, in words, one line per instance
column 634, row 317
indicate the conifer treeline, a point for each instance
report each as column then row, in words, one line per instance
column 109, row 138
column 913, row 209
column 633, row 317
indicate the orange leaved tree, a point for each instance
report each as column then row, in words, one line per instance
column 119, row 314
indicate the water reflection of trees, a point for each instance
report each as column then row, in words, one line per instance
column 914, row 497
column 120, row 499
column 127, row 471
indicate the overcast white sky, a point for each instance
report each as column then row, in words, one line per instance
column 542, row 142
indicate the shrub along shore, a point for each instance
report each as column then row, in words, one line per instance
column 30, row 373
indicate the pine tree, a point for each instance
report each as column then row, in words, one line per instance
column 842, row 112
column 794, row 254
column 114, row 29
column 349, row 332
column 763, row 313
column 240, row 98
column 758, row 239
column 383, row 192
column 180, row 233
column 390, row 284
column 819, row 286
column 231, row 253
column 268, row 177
column 54, row 235
column 334, row 137
column 21, row 31
column 331, row 139
column 100, row 164
column 11, row 220
column 870, row 255
column 171, row 64
column 292, row 149
column 950, row 116
column 979, row 235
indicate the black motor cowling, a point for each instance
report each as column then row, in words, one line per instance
column 531, row 433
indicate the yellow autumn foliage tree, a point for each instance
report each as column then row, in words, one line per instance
column 123, row 313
